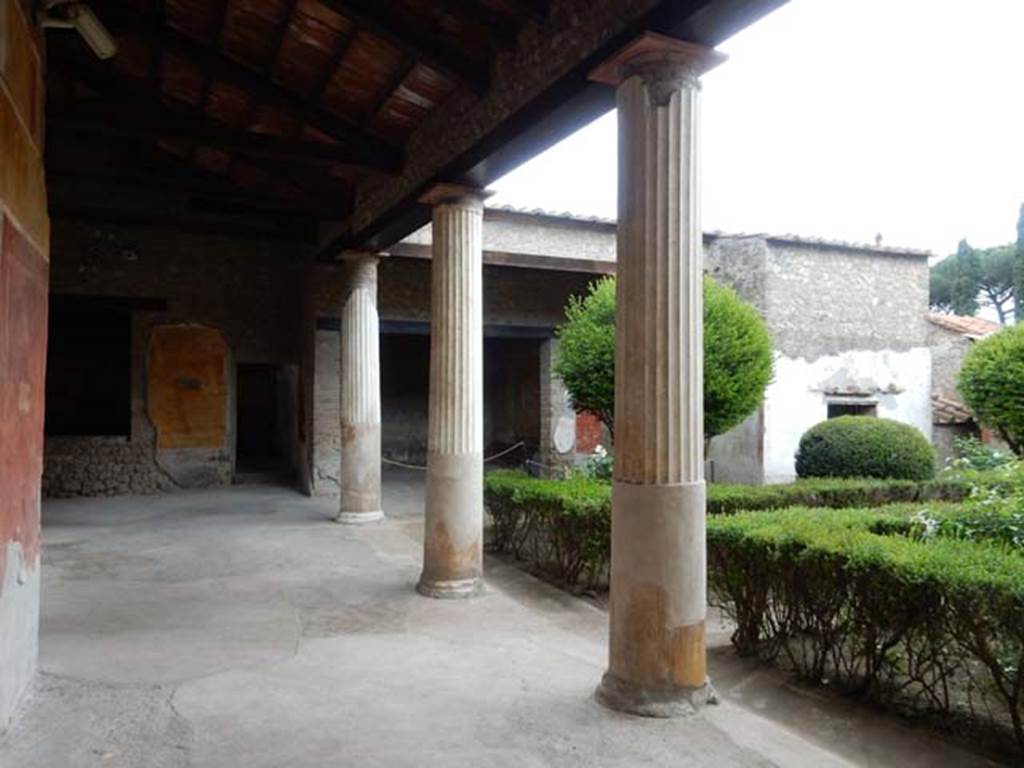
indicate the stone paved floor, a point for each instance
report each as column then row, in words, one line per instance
column 242, row 627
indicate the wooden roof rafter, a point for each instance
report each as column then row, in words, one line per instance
column 423, row 43
column 379, row 154
column 280, row 35
column 133, row 111
column 217, row 38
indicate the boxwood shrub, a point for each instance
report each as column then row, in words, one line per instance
column 883, row 603
column 864, row 446
column 565, row 525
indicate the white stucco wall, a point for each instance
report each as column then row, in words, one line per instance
column 798, row 397
column 19, row 629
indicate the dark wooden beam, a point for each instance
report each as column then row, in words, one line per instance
column 401, row 72
column 421, row 42
column 496, row 25
column 254, row 227
column 156, row 50
column 217, row 39
column 157, row 123
column 258, row 86
column 316, row 92
column 196, row 185
column 142, row 113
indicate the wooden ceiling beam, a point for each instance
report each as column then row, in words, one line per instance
column 423, row 43
column 257, row 85
column 146, row 114
column 182, row 179
column 495, row 24
column 156, row 123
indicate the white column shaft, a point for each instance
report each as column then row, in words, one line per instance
column 453, row 539
column 360, row 395
column 658, row 581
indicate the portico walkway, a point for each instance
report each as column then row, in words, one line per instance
column 243, row 627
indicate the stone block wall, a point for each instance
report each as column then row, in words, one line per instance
column 247, row 293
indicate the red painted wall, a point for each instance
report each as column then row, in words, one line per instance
column 23, row 301
column 589, row 431
column 24, row 277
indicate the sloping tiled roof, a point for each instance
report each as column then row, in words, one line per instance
column 783, row 238
column 948, row 411
column 973, row 327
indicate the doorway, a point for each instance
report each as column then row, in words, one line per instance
column 265, row 423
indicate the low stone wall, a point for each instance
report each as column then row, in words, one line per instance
column 100, row 466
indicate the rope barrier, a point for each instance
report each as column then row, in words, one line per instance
column 508, row 450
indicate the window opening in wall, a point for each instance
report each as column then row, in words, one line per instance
column 88, row 367
column 851, row 408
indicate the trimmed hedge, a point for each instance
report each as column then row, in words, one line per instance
column 565, row 525
column 881, row 602
column 865, row 446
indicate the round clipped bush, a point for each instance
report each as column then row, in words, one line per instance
column 992, row 384
column 863, row 446
column 738, row 358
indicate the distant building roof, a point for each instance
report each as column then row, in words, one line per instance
column 945, row 410
column 784, row 238
column 972, row 327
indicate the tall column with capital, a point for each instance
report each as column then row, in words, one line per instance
column 658, row 573
column 360, row 394
column 453, row 536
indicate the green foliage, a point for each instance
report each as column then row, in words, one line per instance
column 564, row 525
column 586, row 360
column 738, row 359
column 1018, row 268
column 957, row 282
column 864, row 446
column 974, row 454
column 864, row 599
column 992, row 384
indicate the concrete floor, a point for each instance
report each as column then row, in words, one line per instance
column 241, row 627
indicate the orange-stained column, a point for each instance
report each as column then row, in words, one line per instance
column 453, row 537
column 360, row 393
column 658, row 580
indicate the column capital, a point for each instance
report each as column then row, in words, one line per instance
column 358, row 254
column 444, row 192
column 658, row 59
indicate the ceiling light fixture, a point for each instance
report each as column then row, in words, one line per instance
column 62, row 14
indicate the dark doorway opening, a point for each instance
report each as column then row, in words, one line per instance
column 265, row 421
column 88, row 367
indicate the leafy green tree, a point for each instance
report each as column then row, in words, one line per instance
column 966, row 280
column 997, row 279
column 1018, row 269
column 992, row 384
column 586, row 358
column 959, row 283
column 738, row 357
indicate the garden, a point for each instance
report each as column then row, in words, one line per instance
column 875, row 572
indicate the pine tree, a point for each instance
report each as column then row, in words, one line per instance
column 1018, row 270
column 966, row 279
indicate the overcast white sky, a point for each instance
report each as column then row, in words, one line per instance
column 841, row 119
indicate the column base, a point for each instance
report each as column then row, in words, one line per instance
column 359, row 518
column 454, row 589
column 623, row 696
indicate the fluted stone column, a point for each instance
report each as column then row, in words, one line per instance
column 360, row 394
column 453, row 536
column 658, row 577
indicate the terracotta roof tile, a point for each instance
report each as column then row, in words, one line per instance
column 973, row 327
column 948, row 411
